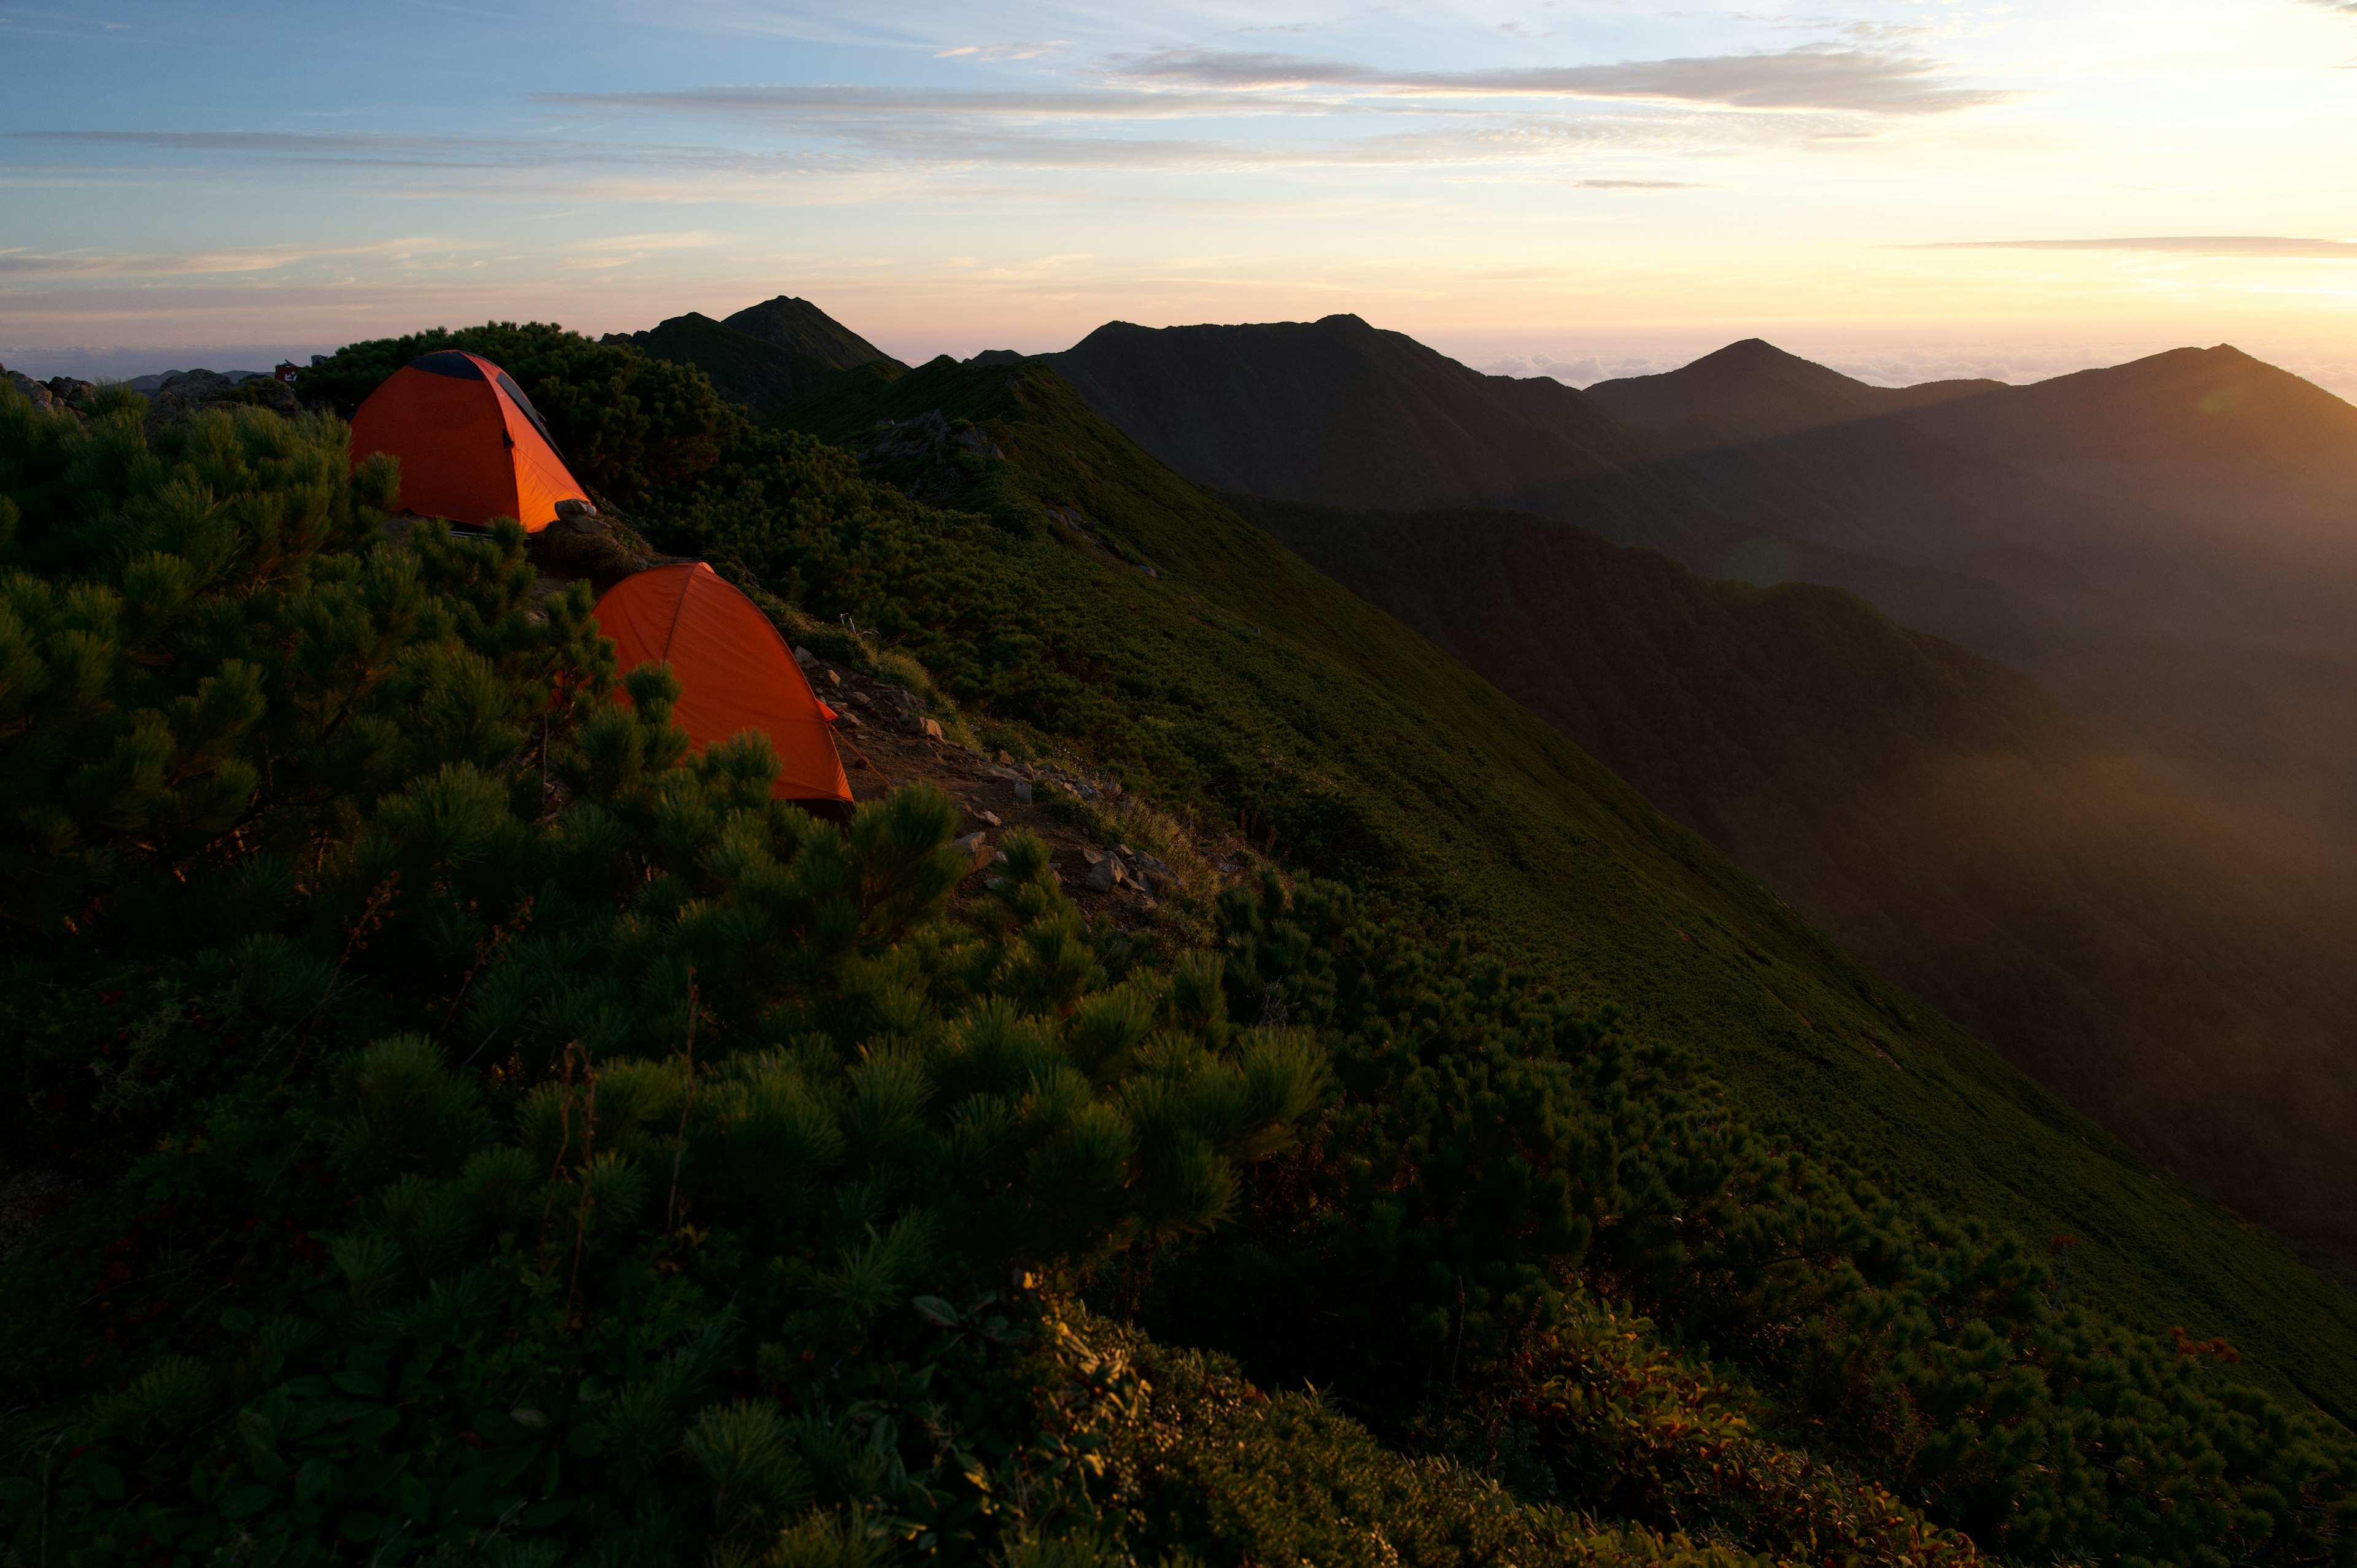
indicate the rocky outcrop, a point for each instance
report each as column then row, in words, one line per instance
column 185, row 393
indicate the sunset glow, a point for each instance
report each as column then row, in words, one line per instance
column 1900, row 188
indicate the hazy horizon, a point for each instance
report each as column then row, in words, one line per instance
column 1567, row 358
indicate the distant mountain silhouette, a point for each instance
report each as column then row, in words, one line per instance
column 767, row 357
column 1753, row 391
column 2183, row 524
column 2216, row 408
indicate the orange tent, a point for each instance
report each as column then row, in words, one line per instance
column 735, row 672
column 471, row 445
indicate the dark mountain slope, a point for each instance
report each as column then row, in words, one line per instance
column 1245, row 676
column 2192, row 610
column 1943, row 818
column 2213, row 408
column 1336, row 411
column 766, row 357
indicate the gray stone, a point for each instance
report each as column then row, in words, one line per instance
column 40, row 395
column 1103, row 875
column 1022, row 788
column 805, row 658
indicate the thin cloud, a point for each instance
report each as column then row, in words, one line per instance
column 1811, row 77
column 1638, row 184
column 2174, row 244
column 259, row 259
column 993, row 52
column 804, row 104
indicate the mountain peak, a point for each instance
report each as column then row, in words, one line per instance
column 1749, row 390
column 801, row 328
column 2185, row 406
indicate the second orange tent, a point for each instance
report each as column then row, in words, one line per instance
column 471, row 445
column 735, row 672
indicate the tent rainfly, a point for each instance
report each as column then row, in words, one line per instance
column 735, row 673
column 471, row 445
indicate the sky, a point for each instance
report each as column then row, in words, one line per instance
column 1904, row 188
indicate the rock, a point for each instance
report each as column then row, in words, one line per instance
column 1092, row 856
column 996, row 883
column 183, row 394
column 833, row 677
column 1103, row 875
column 930, row 728
column 1146, row 905
column 39, row 395
column 1148, row 863
column 849, row 719
column 582, row 545
column 67, row 391
column 976, row 850
column 1023, row 790
column 999, row 859
column 991, row 817
column 1004, row 757
column 805, row 658
column 863, row 699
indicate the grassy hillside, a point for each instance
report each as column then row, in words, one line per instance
column 1462, row 803
column 451, row 1121
column 1938, row 814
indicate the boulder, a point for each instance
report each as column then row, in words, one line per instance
column 33, row 389
column 1023, row 790
column 1103, row 875
column 930, row 728
column 183, row 394
column 584, row 546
